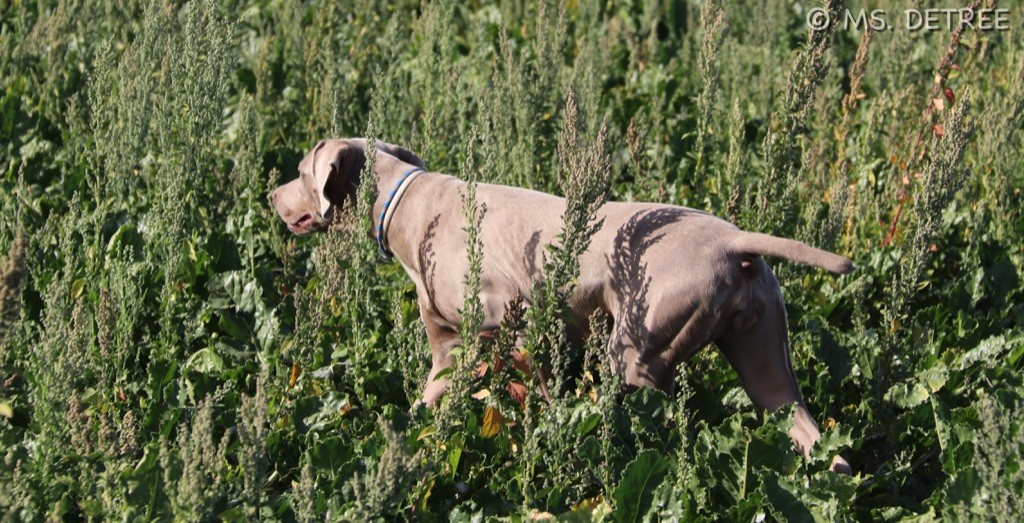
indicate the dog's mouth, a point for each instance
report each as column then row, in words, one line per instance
column 302, row 225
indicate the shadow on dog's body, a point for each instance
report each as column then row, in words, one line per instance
column 672, row 279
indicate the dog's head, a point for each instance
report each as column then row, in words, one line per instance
column 328, row 180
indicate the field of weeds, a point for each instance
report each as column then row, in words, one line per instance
column 168, row 350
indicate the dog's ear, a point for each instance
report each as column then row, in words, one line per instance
column 335, row 167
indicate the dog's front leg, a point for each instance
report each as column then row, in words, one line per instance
column 442, row 340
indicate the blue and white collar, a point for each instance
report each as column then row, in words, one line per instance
column 387, row 213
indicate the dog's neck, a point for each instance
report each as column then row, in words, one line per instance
column 389, row 171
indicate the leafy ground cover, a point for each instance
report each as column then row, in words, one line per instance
column 169, row 351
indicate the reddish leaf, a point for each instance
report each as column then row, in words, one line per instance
column 481, row 369
column 518, row 392
column 499, row 364
column 521, row 362
column 937, row 129
column 949, row 95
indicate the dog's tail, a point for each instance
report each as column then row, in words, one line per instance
column 792, row 250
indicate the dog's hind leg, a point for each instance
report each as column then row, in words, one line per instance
column 758, row 348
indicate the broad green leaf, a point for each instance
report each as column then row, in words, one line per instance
column 330, row 454
column 832, row 442
column 150, row 460
column 724, row 451
column 935, row 377
column 233, row 326
column 426, row 432
column 990, row 352
column 785, row 499
column 206, row 361
column 942, row 429
column 634, row 495
column 908, row 395
column 127, row 236
column 454, row 457
column 588, row 424
column 267, row 327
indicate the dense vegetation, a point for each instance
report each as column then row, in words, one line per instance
column 169, row 350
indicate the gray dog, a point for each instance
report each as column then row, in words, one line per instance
column 672, row 279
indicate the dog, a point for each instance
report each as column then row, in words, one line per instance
column 672, row 279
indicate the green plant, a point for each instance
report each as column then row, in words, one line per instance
column 169, row 351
